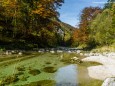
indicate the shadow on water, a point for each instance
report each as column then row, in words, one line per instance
column 67, row 78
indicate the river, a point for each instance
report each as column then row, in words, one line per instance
column 44, row 69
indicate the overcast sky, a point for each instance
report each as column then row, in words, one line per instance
column 71, row 9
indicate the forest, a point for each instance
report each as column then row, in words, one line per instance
column 35, row 24
column 97, row 27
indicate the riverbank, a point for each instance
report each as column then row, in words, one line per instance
column 101, row 72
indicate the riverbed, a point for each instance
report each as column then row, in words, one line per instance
column 44, row 69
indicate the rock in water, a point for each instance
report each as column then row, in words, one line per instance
column 75, row 60
column 109, row 82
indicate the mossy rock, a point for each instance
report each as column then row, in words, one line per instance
column 34, row 72
column 42, row 83
column 10, row 79
column 49, row 69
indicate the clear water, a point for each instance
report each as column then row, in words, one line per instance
column 63, row 74
column 67, row 76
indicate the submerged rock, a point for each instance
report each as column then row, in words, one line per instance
column 75, row 60
column 20, row 53
column 109, row 82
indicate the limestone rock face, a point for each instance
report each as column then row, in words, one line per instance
column 109, row 82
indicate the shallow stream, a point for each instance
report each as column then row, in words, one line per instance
column 44, row 69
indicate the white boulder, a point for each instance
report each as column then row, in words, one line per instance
column 109, row 82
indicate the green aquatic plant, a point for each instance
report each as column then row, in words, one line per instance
column 23, row 78
column 10, row 79
column 42, row 83
column 19, row 73
column 34, row 72
column 21, row 68
column 55, row 64
column 87, row 64
column 49, row 69
column 48, row 62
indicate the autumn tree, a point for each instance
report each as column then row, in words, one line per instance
column 81, row 35
column 23, row 18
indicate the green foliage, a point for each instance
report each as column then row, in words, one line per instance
column 109, row 4
column 48, row 38
column 96, row 30
column 102, row 30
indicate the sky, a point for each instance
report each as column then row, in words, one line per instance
column 71, row 9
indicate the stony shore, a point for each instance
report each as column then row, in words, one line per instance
column 106, row 70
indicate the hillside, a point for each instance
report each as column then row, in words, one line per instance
column 35, row 39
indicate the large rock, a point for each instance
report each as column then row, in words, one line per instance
column 109, row 82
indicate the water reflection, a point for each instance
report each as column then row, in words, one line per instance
column 67, row 76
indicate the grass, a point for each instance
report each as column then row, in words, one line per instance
column 110, row 48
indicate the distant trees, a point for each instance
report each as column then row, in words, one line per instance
column 102, row 30
column 81, row 35
column 109, row 4
column 103, row 26
column 97, row 26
